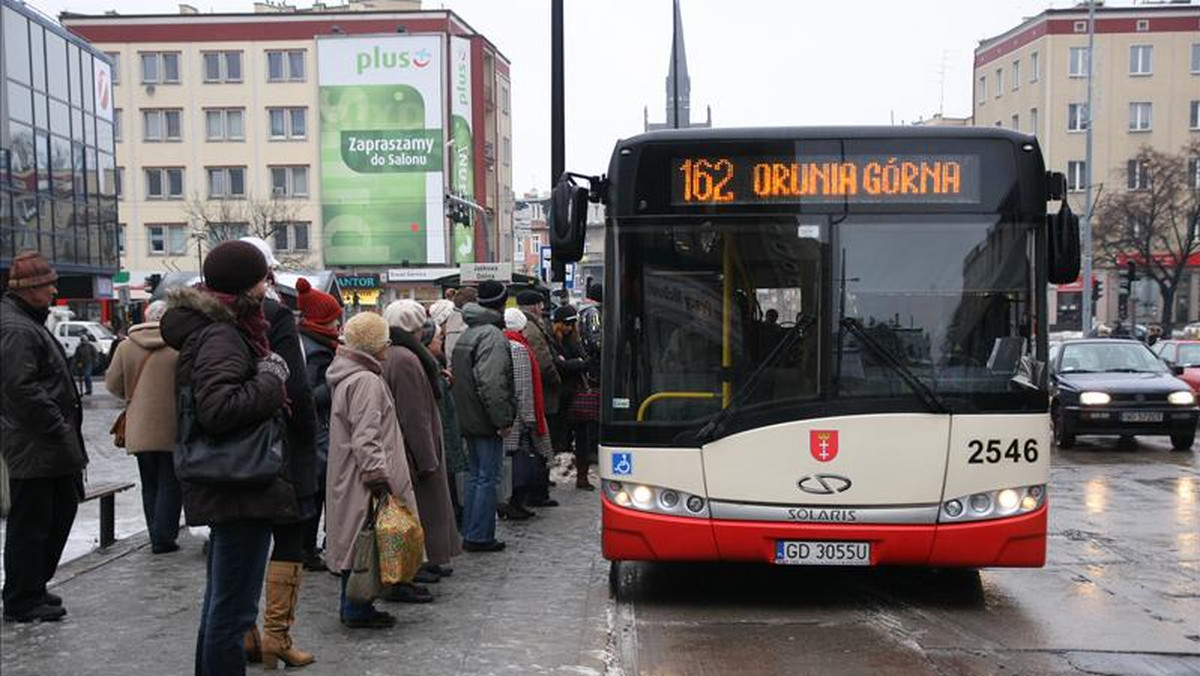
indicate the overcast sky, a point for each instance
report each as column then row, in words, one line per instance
column 755, row 62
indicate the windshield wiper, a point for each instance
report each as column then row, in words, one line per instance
column 1128, row 370
column 794, row 334
column 923, row 391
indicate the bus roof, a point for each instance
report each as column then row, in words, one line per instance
column 785, row 133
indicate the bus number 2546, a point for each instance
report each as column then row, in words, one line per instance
column 994, row 451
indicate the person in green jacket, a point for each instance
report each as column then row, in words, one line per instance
column 486, row 402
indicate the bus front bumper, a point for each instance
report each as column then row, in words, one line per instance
column 631, row 535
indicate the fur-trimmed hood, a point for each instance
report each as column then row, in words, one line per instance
column 188, row 310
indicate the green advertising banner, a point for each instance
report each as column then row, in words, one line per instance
column 382, row 146
column 462, row 171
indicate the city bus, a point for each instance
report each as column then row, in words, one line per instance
column 827, row 346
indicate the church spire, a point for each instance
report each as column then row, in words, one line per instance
column 679, row 85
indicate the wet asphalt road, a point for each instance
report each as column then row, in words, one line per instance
column 1120, row 594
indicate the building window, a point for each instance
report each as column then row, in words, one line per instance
column 1141, row 59
column 1076, row 175
column 1077, row 116
column 1016, row 75
column 1016, row 122
column 289, row 181
column 116, row 66
column 1143, row 25
column 285, row 66
column 291, row 237
column 1137, row 175
column 1194, row 115
column 1194, row 172
column 119, row 179
column 1077, row 61
column 1081, row 26
column 982, row 89
column 224, row 124
column 1033, row 121
column 288, row 123
column 1196, row 58
column 121, row 238
column 1140, row 116
column 222, row 66
column 1034, row 67
column 507, row 150
column 999, row 82
column 167, row 240
column 504, row 102
column 118, row 125
column 160, row 67
column 161, row 124
column 164, row 183
column 226, row 182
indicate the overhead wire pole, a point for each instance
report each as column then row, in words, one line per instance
column 1086, row 229
column 675, row 65
column 558, row 153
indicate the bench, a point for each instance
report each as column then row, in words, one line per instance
column 106, row 493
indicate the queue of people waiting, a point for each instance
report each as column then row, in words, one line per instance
column 391, row 404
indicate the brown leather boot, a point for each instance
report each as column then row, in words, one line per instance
column 253, row 645
column 283, row 590
column 581, row 477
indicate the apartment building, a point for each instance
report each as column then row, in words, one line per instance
column 1146, row 92
column 334, row 132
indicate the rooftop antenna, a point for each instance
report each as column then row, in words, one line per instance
column 942, row 86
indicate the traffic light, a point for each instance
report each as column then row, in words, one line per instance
column 1097, row 291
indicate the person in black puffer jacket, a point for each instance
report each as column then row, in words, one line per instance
column 225, row 358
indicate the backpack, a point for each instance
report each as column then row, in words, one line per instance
column 590, row 333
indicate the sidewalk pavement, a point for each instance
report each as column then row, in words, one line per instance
column 539, row 607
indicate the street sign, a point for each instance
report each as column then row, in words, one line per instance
column 569, row 279
column 471, row 273
column 546, row 256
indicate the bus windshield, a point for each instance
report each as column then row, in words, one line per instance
column 790, row 317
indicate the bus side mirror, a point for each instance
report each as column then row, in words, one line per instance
column 568, row 220
column 1062, row 251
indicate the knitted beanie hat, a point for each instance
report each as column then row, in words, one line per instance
column 234, row 267
column 492, row 294
column 367, row 332
column 529, row 297
column 440, row 311
column 30, row 269
column 315, row 305
column 514, row 319
column 406, row 315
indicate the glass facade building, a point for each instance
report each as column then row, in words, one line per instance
column 58, row 189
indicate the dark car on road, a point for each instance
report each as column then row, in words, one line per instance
column 1118, row 388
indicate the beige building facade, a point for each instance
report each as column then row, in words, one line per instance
column 1146, row 92
column 219, row 134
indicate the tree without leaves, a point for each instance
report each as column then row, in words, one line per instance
column 218, row 220
column 1156, row 225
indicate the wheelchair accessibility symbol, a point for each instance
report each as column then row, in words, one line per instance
column 622, row 464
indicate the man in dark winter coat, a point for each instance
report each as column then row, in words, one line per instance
column 41, row 440
column 487, row 405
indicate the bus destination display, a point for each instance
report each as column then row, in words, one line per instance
column 913, row 179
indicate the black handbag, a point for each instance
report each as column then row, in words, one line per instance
column 251, row 455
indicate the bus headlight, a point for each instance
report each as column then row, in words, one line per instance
column 993, row 504
column 1094, row 398
column 655, row 499
column 1182, row 398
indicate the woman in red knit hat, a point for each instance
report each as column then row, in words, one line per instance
column 320, row 326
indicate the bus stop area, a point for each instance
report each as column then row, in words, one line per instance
column 1120, row 594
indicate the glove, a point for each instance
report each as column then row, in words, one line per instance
column 379, row 488
column 274, row 365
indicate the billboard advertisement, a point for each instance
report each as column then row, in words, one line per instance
column 382, row 147
column 462, row 173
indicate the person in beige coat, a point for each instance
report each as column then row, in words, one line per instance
column 366, row 453
column 142, row 373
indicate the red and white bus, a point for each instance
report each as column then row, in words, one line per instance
column 822, row 346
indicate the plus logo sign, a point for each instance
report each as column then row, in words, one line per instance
column 823, row 444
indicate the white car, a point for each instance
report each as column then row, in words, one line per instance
column 69, row 333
